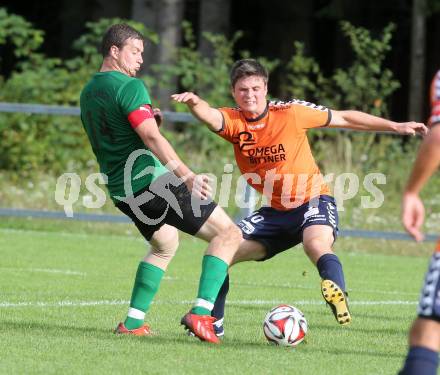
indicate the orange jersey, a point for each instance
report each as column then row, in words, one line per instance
column 273, row 152
column 435, row 100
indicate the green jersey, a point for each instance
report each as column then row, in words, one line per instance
column 106, row 101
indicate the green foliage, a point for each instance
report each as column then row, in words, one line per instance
column 19, row 33
column 433, row 7
column 364, row 85
column 303, row 75
column 55, row 143
column 207, row 76
column 41, row 145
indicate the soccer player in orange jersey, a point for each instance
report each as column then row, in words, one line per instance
column 424, row 337
column 272, row 150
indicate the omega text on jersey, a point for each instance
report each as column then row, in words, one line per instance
column 268, row 154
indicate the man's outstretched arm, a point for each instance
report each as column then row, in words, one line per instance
column 212, row 117
column 357, row 120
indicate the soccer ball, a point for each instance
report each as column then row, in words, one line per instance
column 285, row 325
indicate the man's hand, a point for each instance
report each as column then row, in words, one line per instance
column 411, row 128
column 199, row 186
column 188, row 98
column 158, row 116
column 413, row 215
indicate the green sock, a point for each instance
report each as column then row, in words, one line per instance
column 214, row 272
column 146, row 284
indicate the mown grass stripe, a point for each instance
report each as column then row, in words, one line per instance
column 6, row 304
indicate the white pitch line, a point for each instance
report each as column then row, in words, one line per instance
column 63, row 303
column 44, row 270
column 172, row 278
column 165, row 302
column 315, row 302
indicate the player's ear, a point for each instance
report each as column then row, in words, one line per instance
column 265, row 87
column 232, row 92
column 114, row 51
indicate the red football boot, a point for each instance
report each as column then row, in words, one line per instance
column 201, row 326
column 141, row 331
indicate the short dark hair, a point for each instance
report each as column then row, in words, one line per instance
column 247, row 67
column 117, row 35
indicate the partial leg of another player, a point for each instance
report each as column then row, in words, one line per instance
column 424, row 342
column 424, row 337
column 318, row 241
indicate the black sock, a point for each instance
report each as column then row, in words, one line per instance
column 219, row 305
column 330, row 268
column 420, row 361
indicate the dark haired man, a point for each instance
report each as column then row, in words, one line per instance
column 119, row 120
column 300, row 208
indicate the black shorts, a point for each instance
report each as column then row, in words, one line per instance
column 166, row 201
column 281, row 230
column 429, row 303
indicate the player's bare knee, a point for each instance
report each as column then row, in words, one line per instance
column 231, row 235
column 235, row 233
column 318, row 244
column 425, row 332
column 166, row 250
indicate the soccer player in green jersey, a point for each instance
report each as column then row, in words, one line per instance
column 149, row 183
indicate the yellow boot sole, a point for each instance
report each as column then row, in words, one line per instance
column 337, row 300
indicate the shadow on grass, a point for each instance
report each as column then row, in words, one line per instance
column 386, row 318
column 180, row 338
column 305, row 349
column 50, row 329
column 358, row 329
column 357, row 353
column 356, row 326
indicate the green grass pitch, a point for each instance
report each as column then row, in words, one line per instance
column 62, row 293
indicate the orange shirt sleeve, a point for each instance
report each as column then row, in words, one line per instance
column 228, row 130
column 309, row 115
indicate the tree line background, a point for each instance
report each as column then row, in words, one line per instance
column 375, row 56
column 269, row 29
